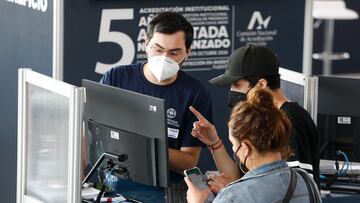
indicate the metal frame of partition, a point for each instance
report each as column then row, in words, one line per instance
column 58, row 40
column 308, row 38
column 75, row 97
column 311, row 96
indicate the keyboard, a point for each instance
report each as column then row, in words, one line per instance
column 342, row 187
column 327, row 167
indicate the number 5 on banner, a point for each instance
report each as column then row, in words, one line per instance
column 123, row 40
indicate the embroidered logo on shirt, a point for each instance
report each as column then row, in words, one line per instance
column 173, row 133
column 171, row 113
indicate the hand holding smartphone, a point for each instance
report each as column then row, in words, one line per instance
column 199, row 181
column 196, row 177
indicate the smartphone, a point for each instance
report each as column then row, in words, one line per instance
column 197, row 177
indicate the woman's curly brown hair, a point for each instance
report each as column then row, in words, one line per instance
column 262, row 123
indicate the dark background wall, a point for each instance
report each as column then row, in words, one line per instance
column 25, row 41
column 346, row 39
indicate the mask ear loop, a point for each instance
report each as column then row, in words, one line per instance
column 240, row 166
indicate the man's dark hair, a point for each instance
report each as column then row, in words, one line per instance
column 273, row 81
column 169, row 23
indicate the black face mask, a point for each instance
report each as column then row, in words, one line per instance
column 242, row 167
column 235, row 97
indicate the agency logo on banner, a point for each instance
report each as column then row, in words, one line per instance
column 258, row 30
column 256, row 18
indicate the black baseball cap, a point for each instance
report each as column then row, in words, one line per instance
column 249, row 61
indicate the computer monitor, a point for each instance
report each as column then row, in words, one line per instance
column 339, row 116
column 119, row 122
column 339, row 132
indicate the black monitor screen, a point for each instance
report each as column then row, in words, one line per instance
column 338, row 118
column 339, row 132
column 140, row 164
column 126, row 122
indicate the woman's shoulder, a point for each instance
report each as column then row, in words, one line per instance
column 237, row 192
column 271, row 186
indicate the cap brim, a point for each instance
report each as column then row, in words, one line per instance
column 224, row 79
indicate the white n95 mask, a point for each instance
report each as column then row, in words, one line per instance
column 163, row 67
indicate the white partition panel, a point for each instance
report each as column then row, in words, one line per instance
column 300, row 88
column 49, row 132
